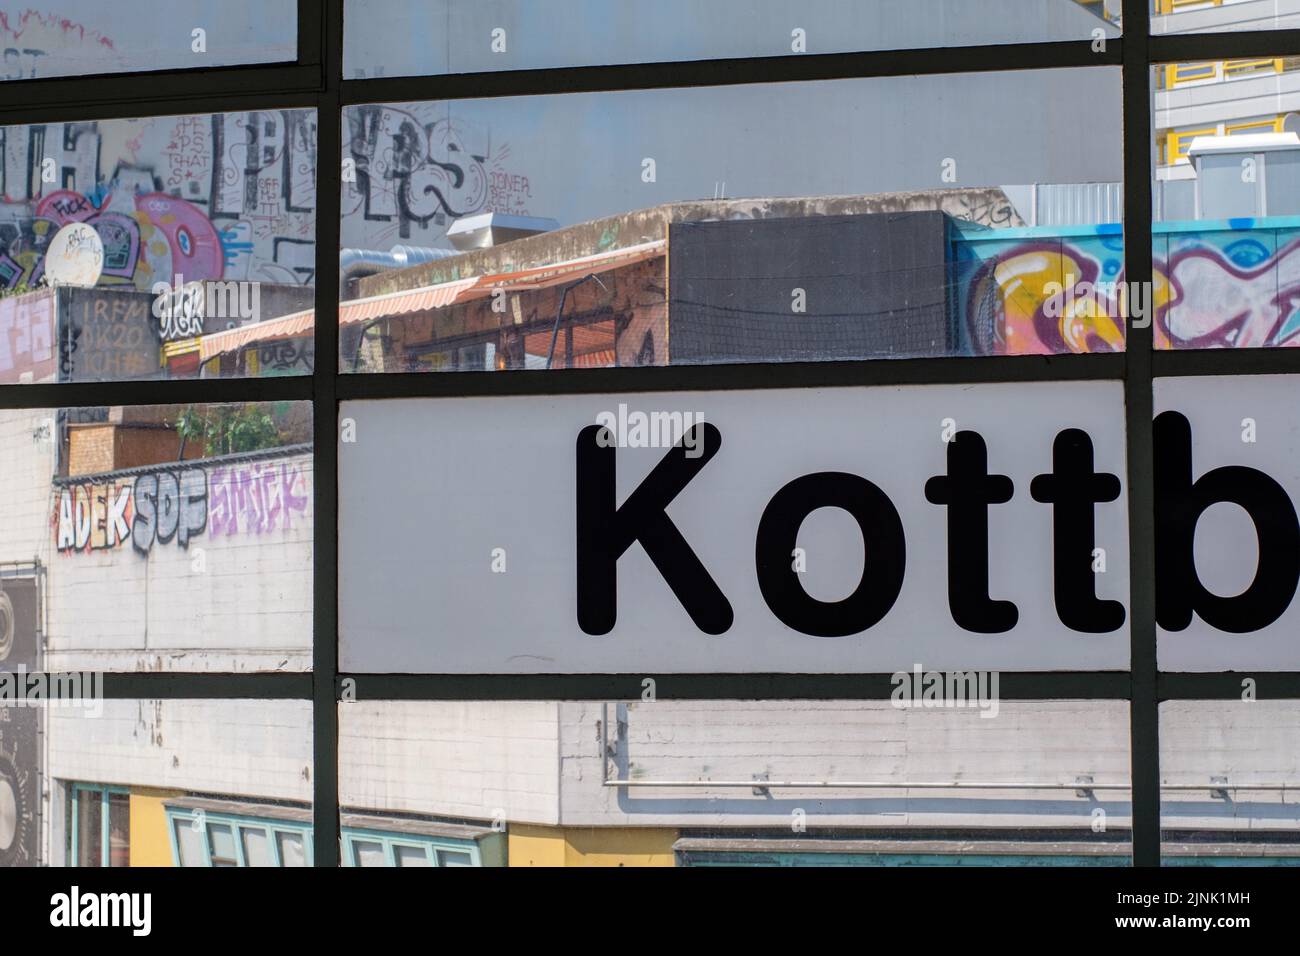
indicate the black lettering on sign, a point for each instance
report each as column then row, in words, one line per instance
column 606, row 531
column 1180, row 502
column 882, row 569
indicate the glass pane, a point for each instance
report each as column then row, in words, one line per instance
column 189, row 843
column 1229, row 771
column 90, row 828
column 1227, row 193
column 367, row 853
column 292, row 849
column 119, row 832
column 477, row 238
column 174, row 537
column 1221, row 16
column 168, row 238
column 390, row 37
column 411, row 856
column 185, row 774
column 221, row 844
column 89, row 36
column 753, row 783
column 257, row 847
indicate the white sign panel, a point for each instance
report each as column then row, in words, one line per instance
column 795, row 531
column 1227, row 471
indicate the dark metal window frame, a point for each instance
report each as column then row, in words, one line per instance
column 315, row 81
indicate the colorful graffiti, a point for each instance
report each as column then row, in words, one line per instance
column 1045, row 291
column 179, row 504
column 26, row 338
column 257, row 497
column 206, row 197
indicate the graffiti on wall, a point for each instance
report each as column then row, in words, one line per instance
column 205, row 197
column 174, row 506
column 26, row 338
column 1213, row 288
column 414, row 170
column 28, row 37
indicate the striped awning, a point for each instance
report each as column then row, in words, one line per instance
column 426, row 298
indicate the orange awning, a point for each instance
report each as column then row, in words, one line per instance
column 427, row 297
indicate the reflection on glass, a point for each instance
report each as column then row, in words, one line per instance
column 389, row 37
column 686, row 227
column 84, row 37
column 1219, row 16
column 1229, row 775
column 221, row 783
column 752, row 783
column 165, row 537
column 148, row 248
column 292, row 849
column 1227, row 196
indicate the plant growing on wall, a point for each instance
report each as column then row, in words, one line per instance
column 227, row 429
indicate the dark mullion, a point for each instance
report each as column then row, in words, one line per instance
column 1144, row 711
column 311, row 33
column 1042, row 686
column 155, row 685
column 927, row 371
column 163, row 93
column 148, row 392
column 325, row 720
column 1274, row 361
column 731, row 71
column 1230, row 685
column 1234, row 45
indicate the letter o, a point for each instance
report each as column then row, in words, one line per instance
column 882, row 569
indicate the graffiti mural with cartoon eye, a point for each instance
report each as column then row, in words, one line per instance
column 1244, row 293
column 1212, row 288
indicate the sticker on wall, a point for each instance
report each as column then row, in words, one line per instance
column 796, row 531
column 1227, row 473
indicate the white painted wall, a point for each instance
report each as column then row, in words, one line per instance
column 227, row 602
column 476, row 760
column 254, row 748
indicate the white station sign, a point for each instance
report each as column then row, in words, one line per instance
column 784, row 531
column 1227, row 478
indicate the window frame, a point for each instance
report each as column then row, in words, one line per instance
column 271, row 828
column 103, row 792
column 315, row 81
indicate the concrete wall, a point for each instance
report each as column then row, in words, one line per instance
column 234, row 596
column 252, row 747
column 485, row 760
column 478, row 761
column 28, row 439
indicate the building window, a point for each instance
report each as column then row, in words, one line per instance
column 203, row 838
column 99, row 831
column 376, row 848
